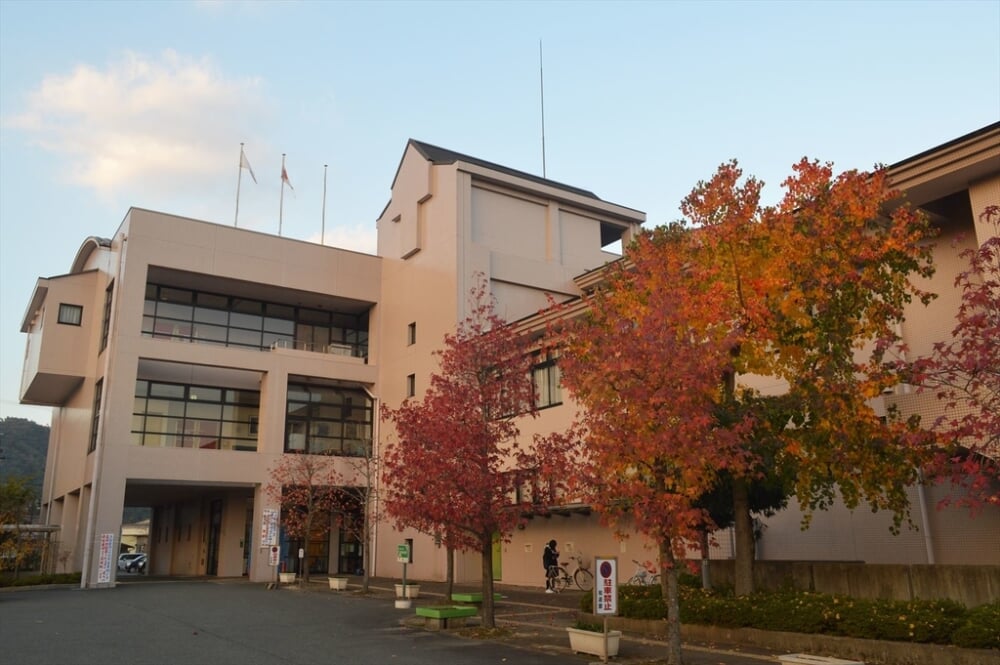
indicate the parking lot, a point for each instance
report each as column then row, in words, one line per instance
column 223, row 623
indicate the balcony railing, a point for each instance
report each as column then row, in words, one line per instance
column 336, row 349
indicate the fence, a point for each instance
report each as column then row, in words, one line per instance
column 969, row 585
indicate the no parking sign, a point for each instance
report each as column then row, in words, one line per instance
column 606, row 585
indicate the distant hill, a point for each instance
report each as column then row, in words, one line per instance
column 23, row 447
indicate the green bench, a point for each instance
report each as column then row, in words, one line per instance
column 439, row 616
column 471, row 597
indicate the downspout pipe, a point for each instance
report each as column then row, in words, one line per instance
column 924, row 517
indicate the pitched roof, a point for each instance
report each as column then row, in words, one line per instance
column 439, row 155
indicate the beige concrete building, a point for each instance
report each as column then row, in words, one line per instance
column 183, row 358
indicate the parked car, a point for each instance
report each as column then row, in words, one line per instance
column 136, row 565
column 125, row 559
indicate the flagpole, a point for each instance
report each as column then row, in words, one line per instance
column 239, row 176
column 541, row 83
column 322, row 232
column 281, row 199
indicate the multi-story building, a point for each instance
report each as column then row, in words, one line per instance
column 183, row 359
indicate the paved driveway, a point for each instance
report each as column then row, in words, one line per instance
column 199, row 622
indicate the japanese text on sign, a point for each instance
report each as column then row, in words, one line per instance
column 268, row 527
column 105, row 557
column 606, row 586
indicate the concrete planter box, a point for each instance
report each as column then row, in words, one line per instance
column 286, row 578
column 587, row 641
column 412, row 591
column 337, row 583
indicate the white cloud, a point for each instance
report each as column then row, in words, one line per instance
column 141, row 120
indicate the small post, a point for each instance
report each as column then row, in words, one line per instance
column 404, row 555
column 302, row 556
column 604, row 653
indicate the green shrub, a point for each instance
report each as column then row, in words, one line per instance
column 36, row 580
column 913, row 621
column 587, row 625
column 981, row 629
column 791, row 611
column 924, row 621
column 706, row 607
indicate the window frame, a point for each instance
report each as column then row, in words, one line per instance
column 64, row 316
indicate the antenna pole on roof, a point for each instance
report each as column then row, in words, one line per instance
column 541, row 81
column 322, row 232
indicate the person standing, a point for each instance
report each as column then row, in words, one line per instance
column 550, row 559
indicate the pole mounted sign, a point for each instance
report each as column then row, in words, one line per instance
column 606, row 588
column 403, row 553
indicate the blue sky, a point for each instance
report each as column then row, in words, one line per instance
column 104, row 106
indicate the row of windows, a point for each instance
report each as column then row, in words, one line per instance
column 320, row 419
column 210, row 318
column 328, row 420
column 170, row 415
column 545, row 376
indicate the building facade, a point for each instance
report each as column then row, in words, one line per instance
column 182, row 359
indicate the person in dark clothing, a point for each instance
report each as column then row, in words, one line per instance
column 550, row 559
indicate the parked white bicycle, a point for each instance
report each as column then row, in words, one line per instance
column 643, row 576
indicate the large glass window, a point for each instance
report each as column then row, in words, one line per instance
column 328, row 420
column 172, row 415
column 211, row 318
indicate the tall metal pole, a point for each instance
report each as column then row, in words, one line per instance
column 239, row 176
column 541, row 81
column 322, row 233
column 281, row 198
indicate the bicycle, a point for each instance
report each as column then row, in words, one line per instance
column 581, row 577
column 643, row 576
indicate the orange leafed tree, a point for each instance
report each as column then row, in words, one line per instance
column 649, row 385
column 457, row 460
column 808, row 292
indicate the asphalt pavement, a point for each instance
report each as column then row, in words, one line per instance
column 151, row 621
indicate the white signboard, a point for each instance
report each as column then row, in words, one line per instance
column 606, row 585
column 272, row 558
column 269, row 527
column 105, row 558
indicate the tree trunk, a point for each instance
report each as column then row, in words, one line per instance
column 449, row 586
column 706, row 577
column 366, row 543
column 487, row 551
column 303, row 564
column 743, row 526
column 669, row 584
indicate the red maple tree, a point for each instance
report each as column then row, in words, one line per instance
column 457, row 460
column 312, row 496
column 964, row 373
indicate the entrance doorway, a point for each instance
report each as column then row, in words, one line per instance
column 214, row 532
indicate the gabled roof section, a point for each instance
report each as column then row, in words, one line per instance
column 437, row 155
column 949, row 167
